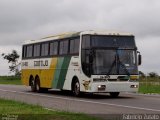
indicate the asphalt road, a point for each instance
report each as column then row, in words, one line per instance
column 90, row 104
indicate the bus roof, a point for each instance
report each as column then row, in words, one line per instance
column 75, row 34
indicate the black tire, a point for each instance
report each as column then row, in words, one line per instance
column 32, row 84
column 114, row 94
column 76, row 88
column 37, row 84
column 39, row 89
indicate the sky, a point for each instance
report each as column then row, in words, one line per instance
column 22, row 20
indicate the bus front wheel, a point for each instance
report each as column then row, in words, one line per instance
column 76, row 88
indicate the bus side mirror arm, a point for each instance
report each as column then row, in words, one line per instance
column 139, row 58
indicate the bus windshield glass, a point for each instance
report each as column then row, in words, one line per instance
column 114, row 62
column 113, row 41
column 109, row 55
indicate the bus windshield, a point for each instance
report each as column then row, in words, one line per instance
column 114, row 55
column 113, row 41
column 114, row 62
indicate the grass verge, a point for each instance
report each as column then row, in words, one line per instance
column 10, row 80
column 23, row 111
column 149, row 85
column 149, row 88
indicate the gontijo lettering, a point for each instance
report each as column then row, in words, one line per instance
column 41, row 63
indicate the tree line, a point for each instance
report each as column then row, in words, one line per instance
column 150, row 74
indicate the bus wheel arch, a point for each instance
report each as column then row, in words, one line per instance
column 75, row 86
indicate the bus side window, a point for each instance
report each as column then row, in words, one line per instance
column 74, row 46
column 44, row 49
column 63, row 49
column 29, row 51
column 53, row 48
column 24, row 52
column 36, row 50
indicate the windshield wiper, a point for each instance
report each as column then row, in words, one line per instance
column 114, row 63
column 123, row 66
column 118, row 64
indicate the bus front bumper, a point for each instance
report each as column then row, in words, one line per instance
column 114, row 87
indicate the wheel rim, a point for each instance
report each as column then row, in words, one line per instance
column 37, row 86
column 77, row 88
column 33, row 84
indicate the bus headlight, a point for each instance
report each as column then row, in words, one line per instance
column 134, row 86
column 101, row 87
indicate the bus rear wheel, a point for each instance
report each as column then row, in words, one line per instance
column 76, row 88
column 38, row 89
column 32, row 84
column 38, row 86
column 114, row 94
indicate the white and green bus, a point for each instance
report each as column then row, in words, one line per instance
column 88, row 61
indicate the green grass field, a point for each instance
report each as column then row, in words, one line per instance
column 149, row 89
column 31, row 112
column 149, row 85
column 10, row 80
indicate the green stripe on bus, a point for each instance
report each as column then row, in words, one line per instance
column 57, row 71
column 61, row 71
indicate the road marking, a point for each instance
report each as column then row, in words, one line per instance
column 86, row 101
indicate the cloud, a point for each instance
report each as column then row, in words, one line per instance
column 32, row 19
column 149, row 48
